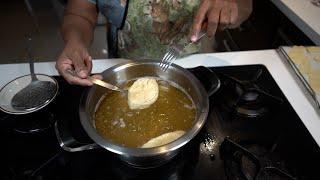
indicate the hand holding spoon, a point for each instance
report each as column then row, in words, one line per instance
column 99, row 82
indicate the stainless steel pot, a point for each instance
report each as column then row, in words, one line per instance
column 121, row 73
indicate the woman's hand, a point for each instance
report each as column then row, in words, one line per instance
column 75, row 57
column 219, row 14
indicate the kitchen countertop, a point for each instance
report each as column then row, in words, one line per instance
column 304, row 15
column 280, row 71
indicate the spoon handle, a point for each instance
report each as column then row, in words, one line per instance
column 98, row 82
column 104, row 84
column 30, row 58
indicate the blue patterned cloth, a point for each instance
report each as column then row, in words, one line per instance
column 114, row 10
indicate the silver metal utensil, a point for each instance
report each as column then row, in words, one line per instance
column 105, row 84
column 99, row 82
column 174, row 52
column 37, row 93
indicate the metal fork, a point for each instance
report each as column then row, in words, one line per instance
column 174, row 52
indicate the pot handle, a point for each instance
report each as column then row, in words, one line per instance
column 208, row 79
column 67, row 142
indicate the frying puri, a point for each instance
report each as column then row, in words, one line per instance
column 172, row 111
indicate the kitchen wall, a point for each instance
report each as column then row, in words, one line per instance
column 17, row 23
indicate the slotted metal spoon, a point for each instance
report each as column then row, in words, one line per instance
column 37, row 92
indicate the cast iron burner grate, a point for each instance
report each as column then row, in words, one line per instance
column 253, row 163
column 245, row 97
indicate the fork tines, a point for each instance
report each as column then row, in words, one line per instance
column 167, row 59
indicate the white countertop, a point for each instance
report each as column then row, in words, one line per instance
column 282, row 74
column 304, row 15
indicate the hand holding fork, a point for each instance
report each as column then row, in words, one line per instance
column 174, row 51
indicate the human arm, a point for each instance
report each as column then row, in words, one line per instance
column 220, row 14
column 77, row 31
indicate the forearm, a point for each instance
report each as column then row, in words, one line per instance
column 76, row 28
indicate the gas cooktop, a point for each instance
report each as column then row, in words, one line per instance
column 252, row 132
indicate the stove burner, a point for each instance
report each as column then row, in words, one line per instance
column 271, row 144
column 245, row 97
column 251, row 164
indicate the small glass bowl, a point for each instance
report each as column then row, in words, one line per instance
column 13, row 87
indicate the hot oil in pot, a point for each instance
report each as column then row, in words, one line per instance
column 172, row 111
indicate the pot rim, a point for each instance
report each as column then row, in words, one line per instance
column 144, row 152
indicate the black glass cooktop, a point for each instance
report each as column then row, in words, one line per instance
column 251, row 132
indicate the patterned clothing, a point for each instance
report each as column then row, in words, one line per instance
column 150, row 25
